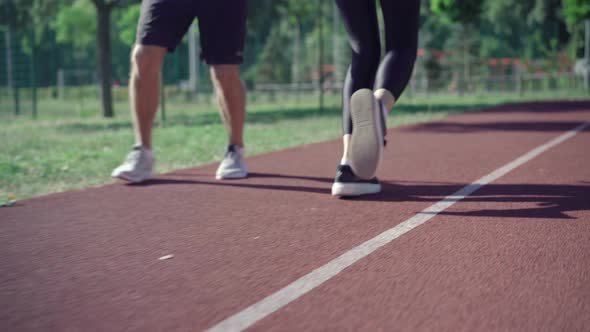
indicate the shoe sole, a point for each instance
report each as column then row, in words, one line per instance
column 355, row 189
column 131, row 179
column 366, row 141
column 232, row 175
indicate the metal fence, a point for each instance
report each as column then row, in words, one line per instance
column 84, row 94
column 450, row 84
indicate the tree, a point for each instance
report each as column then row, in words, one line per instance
column 465, row 14
column 524, row 28
column 434, row 33
column 75, row 24
column 25, row 14
column 103, row 14
column 460, row 11
column 82, row 26
column 575, row 11
column 24, row 22
column 127, row 23
column 296, row 12
column 276, row 30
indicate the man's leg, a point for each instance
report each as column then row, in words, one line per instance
column 144, row 90
column 231, row 98
column 144, row 97
column 161, row 26
column 222, row 26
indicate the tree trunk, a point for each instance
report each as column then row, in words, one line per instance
column 193, row 61
column 296, row 55
column 104, row 58
column 295, row 70
column 33, row 69
column 587, row 54
column 321, row 55
column 464, row 82
column 337, row 73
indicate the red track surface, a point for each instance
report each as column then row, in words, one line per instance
column 514, row 255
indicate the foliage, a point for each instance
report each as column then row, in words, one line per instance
column 126, row 23
column 76, row 24
column 282, row 42
column 461, row 11
column 23, row 14
column 576, row 10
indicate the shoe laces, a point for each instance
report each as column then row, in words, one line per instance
column 232, row 153
column 134, row 155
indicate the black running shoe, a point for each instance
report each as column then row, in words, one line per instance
column 348, row 184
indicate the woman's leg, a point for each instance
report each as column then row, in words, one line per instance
column 402, row 19
column 360, row 19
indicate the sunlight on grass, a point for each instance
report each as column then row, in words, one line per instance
column 68, row 147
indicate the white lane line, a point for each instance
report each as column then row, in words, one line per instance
column 299, row 287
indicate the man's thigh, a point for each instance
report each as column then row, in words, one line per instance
column 164, row 22
column 222, row 25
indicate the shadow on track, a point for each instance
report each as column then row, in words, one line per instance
column 543, row 106
column 458, row 127
column 241, row 183
column 528, row 126
column 537, row 200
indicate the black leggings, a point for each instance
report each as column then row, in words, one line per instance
column 401, row 44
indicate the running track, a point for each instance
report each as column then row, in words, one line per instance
column 265, row 253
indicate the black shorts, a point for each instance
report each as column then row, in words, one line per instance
column 222, row 26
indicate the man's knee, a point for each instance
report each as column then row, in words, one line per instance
column 225, row 75
column 147, row 60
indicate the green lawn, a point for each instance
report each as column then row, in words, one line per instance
column 68, row 146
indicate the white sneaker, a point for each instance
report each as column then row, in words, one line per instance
column 366, row 140
column 137, row 167
column 232, row 166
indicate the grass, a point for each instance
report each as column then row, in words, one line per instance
column 68, row 146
